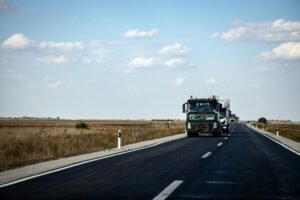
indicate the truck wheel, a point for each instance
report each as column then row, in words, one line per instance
column 216, row 132
column 190, row 134
column 226, row 130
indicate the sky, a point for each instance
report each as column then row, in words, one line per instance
column 134, row 59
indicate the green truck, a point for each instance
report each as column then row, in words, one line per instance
column 203, row 116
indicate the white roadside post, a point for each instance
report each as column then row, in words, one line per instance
column 119, row 139
column 277, row 132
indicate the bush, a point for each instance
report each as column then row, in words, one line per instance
column 262, row 120
column 82, row 125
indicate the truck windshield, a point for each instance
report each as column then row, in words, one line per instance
column 201, row 107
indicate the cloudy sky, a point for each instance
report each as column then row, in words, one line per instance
column 143, row 59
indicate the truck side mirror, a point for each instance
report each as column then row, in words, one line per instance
column 184, row 107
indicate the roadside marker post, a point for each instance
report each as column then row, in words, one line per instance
column 277, row 132
column 119, row 139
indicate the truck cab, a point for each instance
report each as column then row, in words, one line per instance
column 202, row 116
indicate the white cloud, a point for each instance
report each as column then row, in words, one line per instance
column 47, row 83
column 56, row 59
column 174, row 49
column 279, row 30
column 179, row 81
column 170, row 56
column 17, row 41
column 285, row 51
column 282, row 25
column 141, row 62
column 59, row 52
column 61, row 46
column 211, row 81
column 174, row 62
column 232, row 34
column 136, row 33
column 54, row 84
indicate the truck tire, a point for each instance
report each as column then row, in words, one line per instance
column 217, row 132
column 191, row 134
column 226, row 130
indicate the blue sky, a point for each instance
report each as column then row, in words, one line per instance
column 143, row 59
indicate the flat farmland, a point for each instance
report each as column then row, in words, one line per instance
column 288, row 130
column 30, row 141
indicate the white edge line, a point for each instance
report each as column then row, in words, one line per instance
column 281, row 144
column 81, row 163
column 168, row 190
column 220, row 144
column 206, row 155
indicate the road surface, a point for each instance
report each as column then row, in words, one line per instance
column 245, row 165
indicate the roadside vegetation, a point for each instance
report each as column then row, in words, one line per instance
column 288, row 130
column 30, row 141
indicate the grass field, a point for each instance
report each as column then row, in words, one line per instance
column 288, row 130
column 29, row 141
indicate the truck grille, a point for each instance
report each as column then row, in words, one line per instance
column 202, row 127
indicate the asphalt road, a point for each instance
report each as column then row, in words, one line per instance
column 245, row 165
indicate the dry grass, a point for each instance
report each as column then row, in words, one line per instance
column 29, row 141
column 288, row 130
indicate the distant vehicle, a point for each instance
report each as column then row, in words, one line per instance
column 203, row 116
column 233, row 118
column 225, row 114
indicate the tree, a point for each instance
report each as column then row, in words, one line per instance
column 262, row 120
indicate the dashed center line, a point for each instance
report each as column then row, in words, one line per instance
column 221, row 182
column 220, row 144
column 168, row 190
column 206, row 155
column 225, row 138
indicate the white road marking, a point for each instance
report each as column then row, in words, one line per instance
column 221, row 182
column 168, row 190
column 225, row 138
column 80, row 163
column 206, row 155
column 220, row 144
